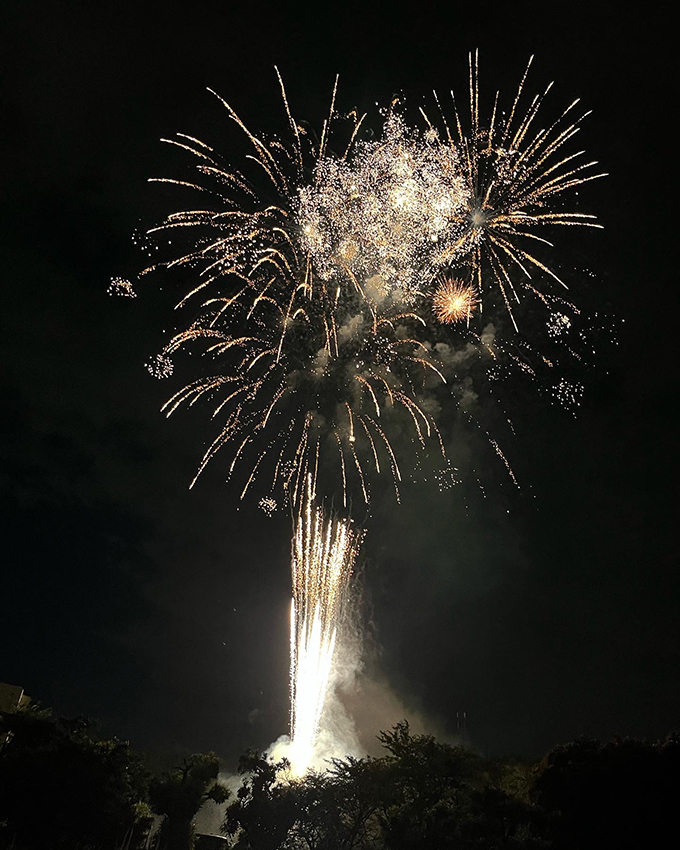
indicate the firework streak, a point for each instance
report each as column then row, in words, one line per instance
column 324, row 552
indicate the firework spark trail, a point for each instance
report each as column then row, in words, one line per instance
column 324, row 550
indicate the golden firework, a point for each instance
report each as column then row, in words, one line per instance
column 310, row 263
column 308, row 269
column 518, row 175
column 324, row 549
column 392, row 209
column 305, row 299
column 454, row 301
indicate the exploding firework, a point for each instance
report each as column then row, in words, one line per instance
column 384, row 219
column 160, row 366
column 310, row 315
column 453, row 301
column 121, row 287
column 268, row 505
column 516, row 175
column 335, row 285
column 317, row 274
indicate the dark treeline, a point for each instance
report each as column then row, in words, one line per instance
column 62, row 786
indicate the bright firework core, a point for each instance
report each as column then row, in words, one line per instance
column 388, row 217
column 323, row 554
column 453, row 301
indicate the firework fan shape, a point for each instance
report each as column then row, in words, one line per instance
column 516, row 173
column 318, row 273
column 324, row 549
column 307, row 360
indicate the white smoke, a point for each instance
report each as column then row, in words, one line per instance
column 351, row 327
column 488, row 335
column 210, row 817
column 321, row 362
column 451, row 356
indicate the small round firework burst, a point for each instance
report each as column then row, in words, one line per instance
column 454, row 301
column 558, row 325
column 160, row 366
column 121, row 287
column 267, row 505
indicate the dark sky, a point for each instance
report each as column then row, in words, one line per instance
column 544, row 613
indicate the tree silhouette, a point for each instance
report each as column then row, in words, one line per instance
column 61, row 788
column 265, row 808
column 422, row 793
column 622, row 793
column 179, row 794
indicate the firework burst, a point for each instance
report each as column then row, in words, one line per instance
column 516, row 174
column 309, row 306
column 335, row 285
column 454, row 301
column 381, row 220
column 318, row 275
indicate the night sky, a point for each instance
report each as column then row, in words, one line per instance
column 544, row 613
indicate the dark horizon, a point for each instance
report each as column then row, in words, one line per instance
column 545, row 612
